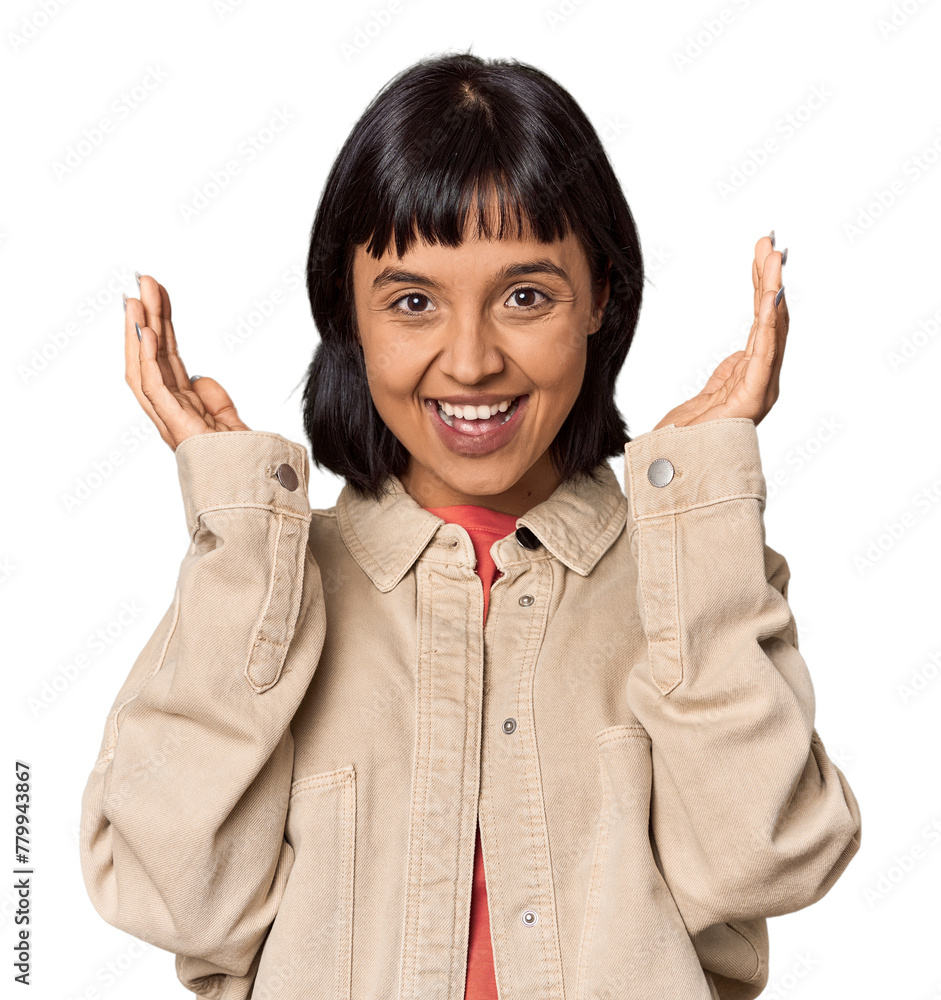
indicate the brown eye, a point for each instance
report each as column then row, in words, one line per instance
column 414, row 303
column 523, row 297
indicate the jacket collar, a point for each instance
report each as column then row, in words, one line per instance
column 577, row 524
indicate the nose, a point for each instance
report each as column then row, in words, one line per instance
column 471, row 350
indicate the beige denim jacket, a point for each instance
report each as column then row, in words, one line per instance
column 290, row 779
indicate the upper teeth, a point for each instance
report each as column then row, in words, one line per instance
column 475, row 412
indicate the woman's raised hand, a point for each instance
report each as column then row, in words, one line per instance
column 157, row 376
column 746, row 383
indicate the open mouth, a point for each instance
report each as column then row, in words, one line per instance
column 476, row 425
column 470, row 436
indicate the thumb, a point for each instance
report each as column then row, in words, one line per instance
column 217, row 402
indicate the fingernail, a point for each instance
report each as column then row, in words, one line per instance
column 779, row 296
column 784, row 257
column 137, row 327
column 124, row 300
column 137, row 275
column 194, row 377
column 771, row 234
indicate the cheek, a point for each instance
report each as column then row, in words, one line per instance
column 393, row 379
column 390, row 365
column 568, row 352
column 558, row 367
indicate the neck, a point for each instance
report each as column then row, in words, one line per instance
column 429, row 489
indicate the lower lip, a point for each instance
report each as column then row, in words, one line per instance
column 478, row 444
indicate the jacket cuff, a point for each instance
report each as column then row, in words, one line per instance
column 673, row 469
column 221, row 469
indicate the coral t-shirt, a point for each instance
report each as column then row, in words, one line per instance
column 484, row 526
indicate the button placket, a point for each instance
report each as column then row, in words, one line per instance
column 450, row 690
column 519, row 764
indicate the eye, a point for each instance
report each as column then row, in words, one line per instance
column 412, row 298
column 421, row 302
column 527, row 290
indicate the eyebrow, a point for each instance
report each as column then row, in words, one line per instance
column 394, row 275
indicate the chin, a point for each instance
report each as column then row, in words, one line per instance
column 491, row 482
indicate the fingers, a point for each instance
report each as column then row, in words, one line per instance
column 153, row 312
column 134, row 313
column 765, row 356
column 782, row 323
column 771, row 280
column 762, row 248
column 162, row 402
column 768, row 266
column 746, row 383
column 152, row 300
column 766, row 274
column 169, row 338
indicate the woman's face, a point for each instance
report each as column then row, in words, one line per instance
column 483, row 323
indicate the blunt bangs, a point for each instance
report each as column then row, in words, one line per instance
column 409, row 212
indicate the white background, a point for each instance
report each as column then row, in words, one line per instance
column 849, row 450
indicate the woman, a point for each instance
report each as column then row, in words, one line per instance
column 489, row 719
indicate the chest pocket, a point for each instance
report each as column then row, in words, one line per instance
column 310, row 942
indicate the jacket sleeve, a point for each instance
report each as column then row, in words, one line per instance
column 182, row 827
column 749, row 816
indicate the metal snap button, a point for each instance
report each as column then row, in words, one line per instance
column 529, row 917
column 527, row 538
column 660, row 471
column 287, row 477
column 527, row 599
column 509, row 725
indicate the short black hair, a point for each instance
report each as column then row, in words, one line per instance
column 439, row 130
